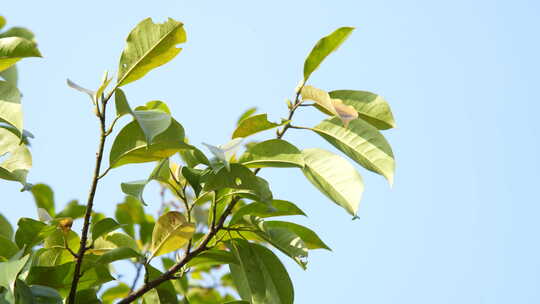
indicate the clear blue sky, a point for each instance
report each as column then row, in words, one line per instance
column 461, row 223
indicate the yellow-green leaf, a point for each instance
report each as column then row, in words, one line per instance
column 335, row 177
column 361, row 142
column 10, row 107
column 130, row 145
column 323, row 48
column 149, row 46
column 254, row 124
column 370, row 107
column 18, row 162
column 171, row 232
column 13, row 49
column 272, row 153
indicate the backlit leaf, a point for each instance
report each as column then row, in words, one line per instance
column 272, row 153
column 171, row 232
column 13, row 49
column 5, row 228
column 44, row 197
column 323, row 48
column 370, row 107
column 9, row 271
column 241, row 178
column 310, row 238
column 335, row 177
column 254, row 124
column 10, row 106
column 149, row 46
column 278, row 208
column 18, row 161
column 248, row 113
column 361, row 142
column 116, row 292
column 130, row 145
column 104, row 226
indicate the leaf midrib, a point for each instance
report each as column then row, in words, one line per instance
column 147, row 52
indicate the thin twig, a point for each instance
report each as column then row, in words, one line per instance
column 66, row 246
column 137, row 275
column 90, row 202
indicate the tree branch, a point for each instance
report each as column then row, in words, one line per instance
column 90, row 202
column 170, row 274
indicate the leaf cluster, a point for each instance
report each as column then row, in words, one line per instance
column 219, row 224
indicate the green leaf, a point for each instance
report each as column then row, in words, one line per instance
column 130, row 145
column 263, row 210
column 212, row 258
column 153, row 118
column 241, row 178
column 121, row 103
column 335, row 177
column 45, row 295
column 272, row 153
column 13, row 49
column 370, row 107
column 73, row 210
column 5, row 228
column 152, row 122
column 18, row 161
column 7, row 248
column 248, row 113
column 361, row 142
column 112, row 241
column 87, row 296
column 44, row 197
column 117, row 254
column 323, row 48
column 254, row 124
column 20, row 32
column 194, row 157
column 128, row 213
column 52, row 257
column 161, row 173
column 135, row 189
column 23, row 293
column 56, row 277
column 60, row 277
column 10, row 75
column 328, row 105
column 10, row 106
column 310, row 238
column 104, row 226
column 281, row 238
column 171, row 232
column 104, row 84
column 149, row 46
column 116, row 292
column 260, row 277
column 194, row 177
column 163, row 293
column 2, row 22
column 31, row 232
column 9, row 271
column 57, row 240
